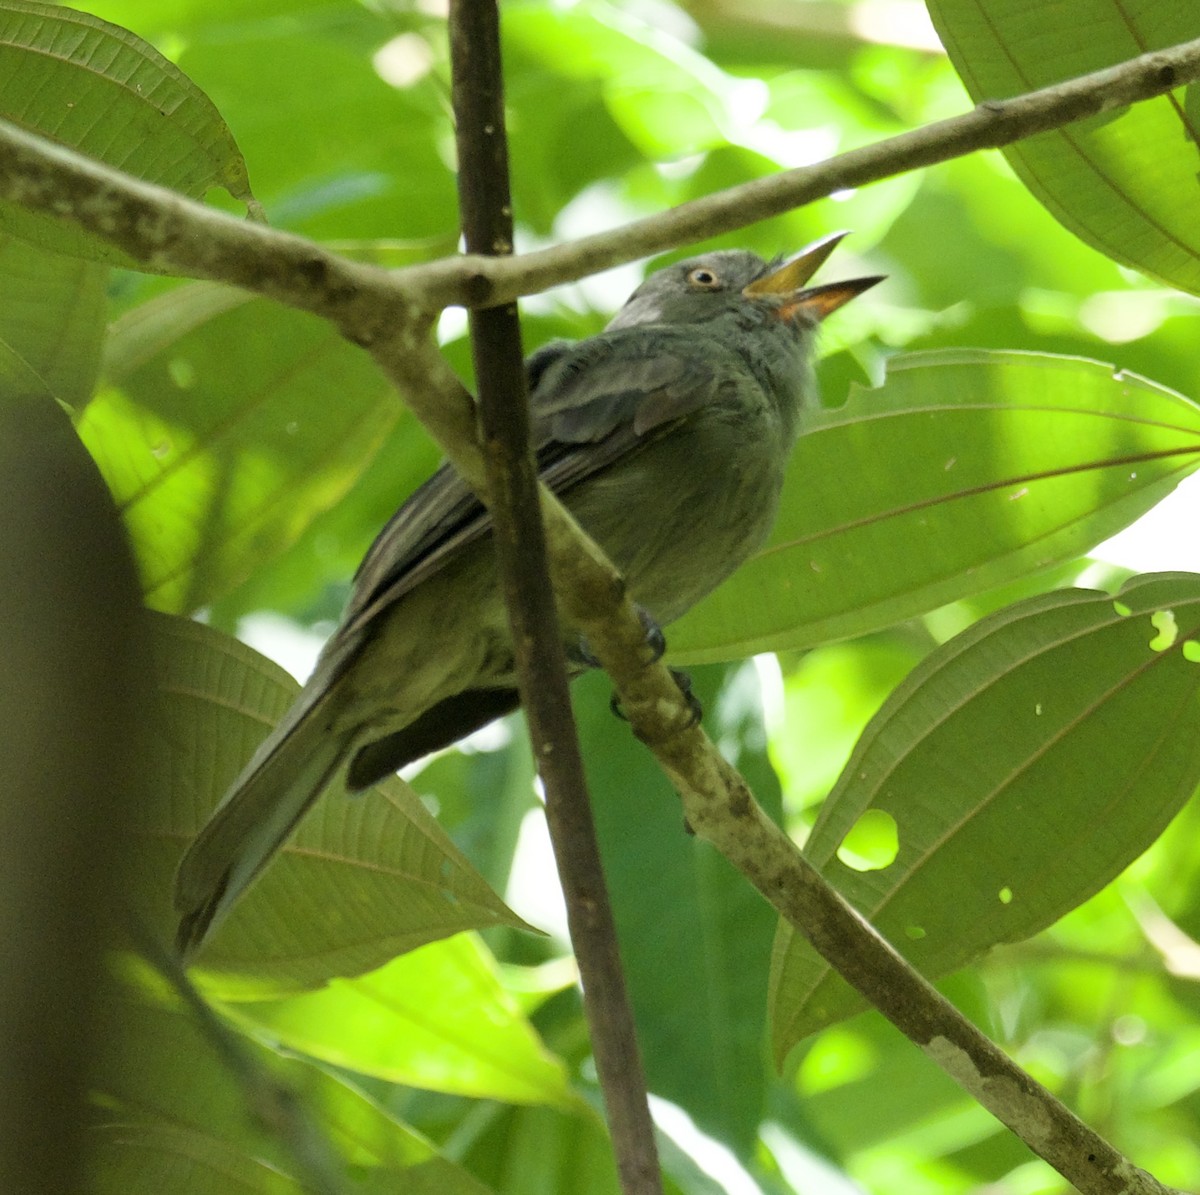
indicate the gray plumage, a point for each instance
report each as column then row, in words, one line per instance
column 667, row 436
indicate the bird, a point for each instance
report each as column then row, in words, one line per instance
column 666, row 435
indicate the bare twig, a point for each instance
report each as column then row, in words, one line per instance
column 991, row 125
column 166, row 232
column 521, row 559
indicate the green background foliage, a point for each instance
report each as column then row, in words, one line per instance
column 986, row 423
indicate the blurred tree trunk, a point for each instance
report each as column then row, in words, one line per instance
column 73, row 676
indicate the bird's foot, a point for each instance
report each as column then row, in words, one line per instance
column 684, row 682
column 656, row 643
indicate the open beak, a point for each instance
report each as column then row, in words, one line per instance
column 787, row 283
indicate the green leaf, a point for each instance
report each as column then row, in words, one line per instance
column 829, row 695
column 965, row 470
column 52, row 319
column 847, row 1078
column 141, row 1159
column 1125, row 181
column 347, row 155
column 174, row 1116
column 99, row 89
column 227, row 425
column 318, row 566
column 666, row 97
column 438, row 1018
column 1026, row 763
column 363, row 880
column 543, row 1151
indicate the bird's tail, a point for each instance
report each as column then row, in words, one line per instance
column 260, row 810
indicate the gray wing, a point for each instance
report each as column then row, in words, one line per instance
column 592, row 403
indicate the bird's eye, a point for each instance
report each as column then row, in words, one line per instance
column 702, row 278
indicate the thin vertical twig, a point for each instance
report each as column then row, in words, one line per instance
column 521, row 557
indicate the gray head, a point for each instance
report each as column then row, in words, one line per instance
column 714, row 284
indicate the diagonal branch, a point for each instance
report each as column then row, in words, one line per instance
column 720, row 807
column 167, row 232
column 993, row 124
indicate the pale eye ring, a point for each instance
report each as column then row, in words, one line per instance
column 702, row 278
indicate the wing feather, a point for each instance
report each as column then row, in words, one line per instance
column 592, row 404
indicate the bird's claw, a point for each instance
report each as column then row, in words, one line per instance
column 656, row 643
column 614, row 704
column 695, row 710
column 580, row 653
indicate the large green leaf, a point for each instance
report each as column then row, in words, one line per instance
column 227, row 424
column 323, row 558
column 100, row 89
column 1024, row 764
column 668, row 98
column 363, row 880
column 437, row 1018
column 174, row 1116
column 51, row 319
column 346, row 155
column 141, row 1159
column 1124, row 181
column 965, row 470
column 544, row 1151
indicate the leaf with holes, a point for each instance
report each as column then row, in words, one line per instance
column 99, row 89
column 1124, row 181
column 966, row 470
column 1025, row 763
column 364, row 878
